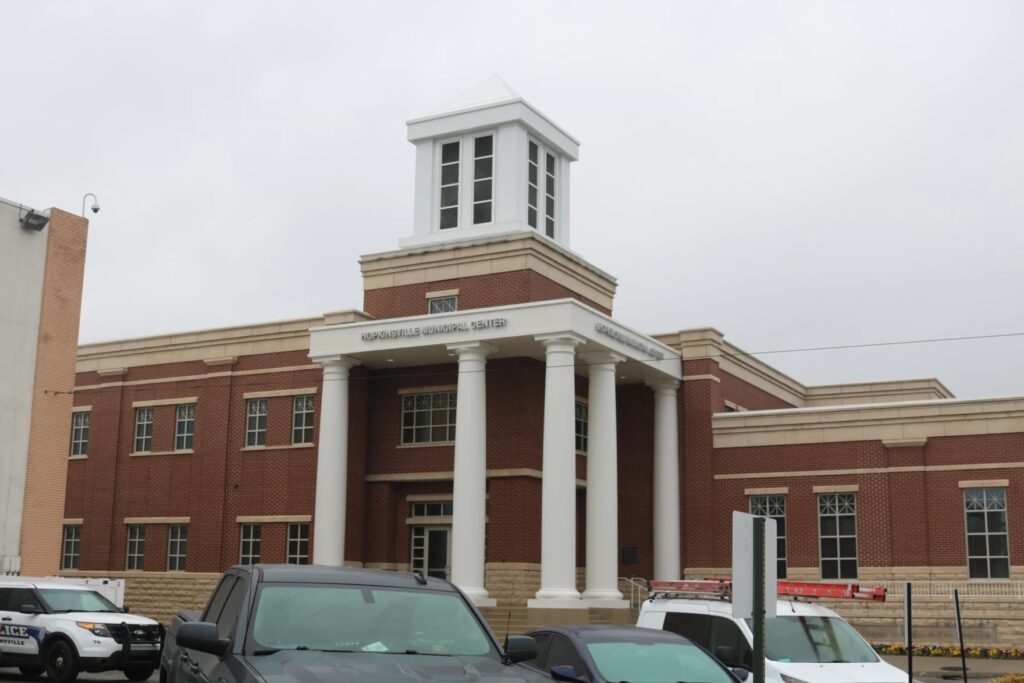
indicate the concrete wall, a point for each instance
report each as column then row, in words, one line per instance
column 22, row 264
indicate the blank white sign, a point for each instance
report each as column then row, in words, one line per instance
column 743, row 566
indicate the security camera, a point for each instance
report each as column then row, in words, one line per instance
column 95, row 207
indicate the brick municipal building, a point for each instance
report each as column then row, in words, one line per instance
column 482, row 416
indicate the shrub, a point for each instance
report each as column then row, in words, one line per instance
column 1013, row 678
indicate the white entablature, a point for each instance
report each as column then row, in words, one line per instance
column 489, row 163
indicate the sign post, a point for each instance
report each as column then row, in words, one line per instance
column 908, row 627
column 754, row 578
column 960, row 632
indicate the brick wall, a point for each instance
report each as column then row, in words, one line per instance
column 50, row 427
column 481, row 291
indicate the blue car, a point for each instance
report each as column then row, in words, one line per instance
column 624, row 654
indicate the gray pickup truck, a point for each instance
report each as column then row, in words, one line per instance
column 311, row 624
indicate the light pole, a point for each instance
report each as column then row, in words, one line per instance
column 95, row 204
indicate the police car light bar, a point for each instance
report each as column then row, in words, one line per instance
column 722, row 589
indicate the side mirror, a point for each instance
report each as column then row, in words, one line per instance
column 203, row 637
column 726, row 654
column 29, row 608
column 564, row 672
column 520, row 648
column 740, row 673
column 126, row 609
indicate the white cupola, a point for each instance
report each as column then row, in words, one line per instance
column 487, row 164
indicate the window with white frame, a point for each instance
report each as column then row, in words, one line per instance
column 549, row 194
column 185, row 427
column 432, row 509
column 298, row 543
column 71, row 548
column 542, row 165
column 136, row 547
column 774, row 507
column 837, row 520
column 80, row 433
column 302, row 419
column 256, row 422
column 177, row 547
column 449, row 200
column 988, row 550
column 483, row 177
column 251, row 537
column 582, row 426
column 428, row 417
column 442, row 304
column 143, row 430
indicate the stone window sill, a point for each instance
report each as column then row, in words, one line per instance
column 78, row 457
column 277, row 448
column 140, row 454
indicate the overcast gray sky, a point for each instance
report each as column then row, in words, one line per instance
column 795, row 174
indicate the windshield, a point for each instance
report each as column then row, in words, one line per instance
column 654, row 662
column 366, row 619
column 805, row 640
column 67, row 600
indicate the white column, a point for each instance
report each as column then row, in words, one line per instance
column 469, row 499
column 667, row 560
column 602, row 485
column 332, row 462
column 558, row 489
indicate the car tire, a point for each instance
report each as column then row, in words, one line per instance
column 138, row 673
column 31, row 671
column 61, row 662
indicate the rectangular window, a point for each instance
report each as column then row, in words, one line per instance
column 136, row 546
column 302, row 419
column 532, row 185
column 256, row 422
column 443, row 304
column 429, row 417
column 72, row 546
column 250, row 552
column 582, row 418
column 837, row 520
column 177, row 547
column 143, row 430
column 80, row 433
column 449, row 203
column 549, row 195
column 439, row 509
column 774, row 507
column 483, row 178
column 298, row 544
column 988, row 551
column 185, row 427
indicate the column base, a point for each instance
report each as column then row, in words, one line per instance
column 480, row 597
column 556, row 598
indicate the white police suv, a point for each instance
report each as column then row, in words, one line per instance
column 62, row 629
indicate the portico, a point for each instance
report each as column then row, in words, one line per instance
column 572, row 340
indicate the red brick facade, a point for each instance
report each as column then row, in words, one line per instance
column 904, row 518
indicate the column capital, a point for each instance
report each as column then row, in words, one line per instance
column 664, row 386
column 472, row 349
column 336, row 361
column 609, row 359
column 554, row 339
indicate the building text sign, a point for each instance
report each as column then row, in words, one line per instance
column 435, row 328
column 632, row 343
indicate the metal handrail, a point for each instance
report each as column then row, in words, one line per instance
column 943, row 589
column 638, row 589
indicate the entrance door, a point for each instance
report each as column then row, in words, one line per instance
column 431, row 550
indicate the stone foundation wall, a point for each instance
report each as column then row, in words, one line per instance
column 161, row 595
column 512, row 583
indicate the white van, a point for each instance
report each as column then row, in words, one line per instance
column 805, row 643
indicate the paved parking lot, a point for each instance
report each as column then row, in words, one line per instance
column 934, row 669
column 12, row 676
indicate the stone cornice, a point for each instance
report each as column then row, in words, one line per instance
column 869, row 422
column 213, row 346
column 518, row 251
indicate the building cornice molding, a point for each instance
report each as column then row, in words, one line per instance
column 909, row 422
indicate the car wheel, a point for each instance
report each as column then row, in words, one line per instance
column 31, row 671
column 61, row 662
column 138, row 673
